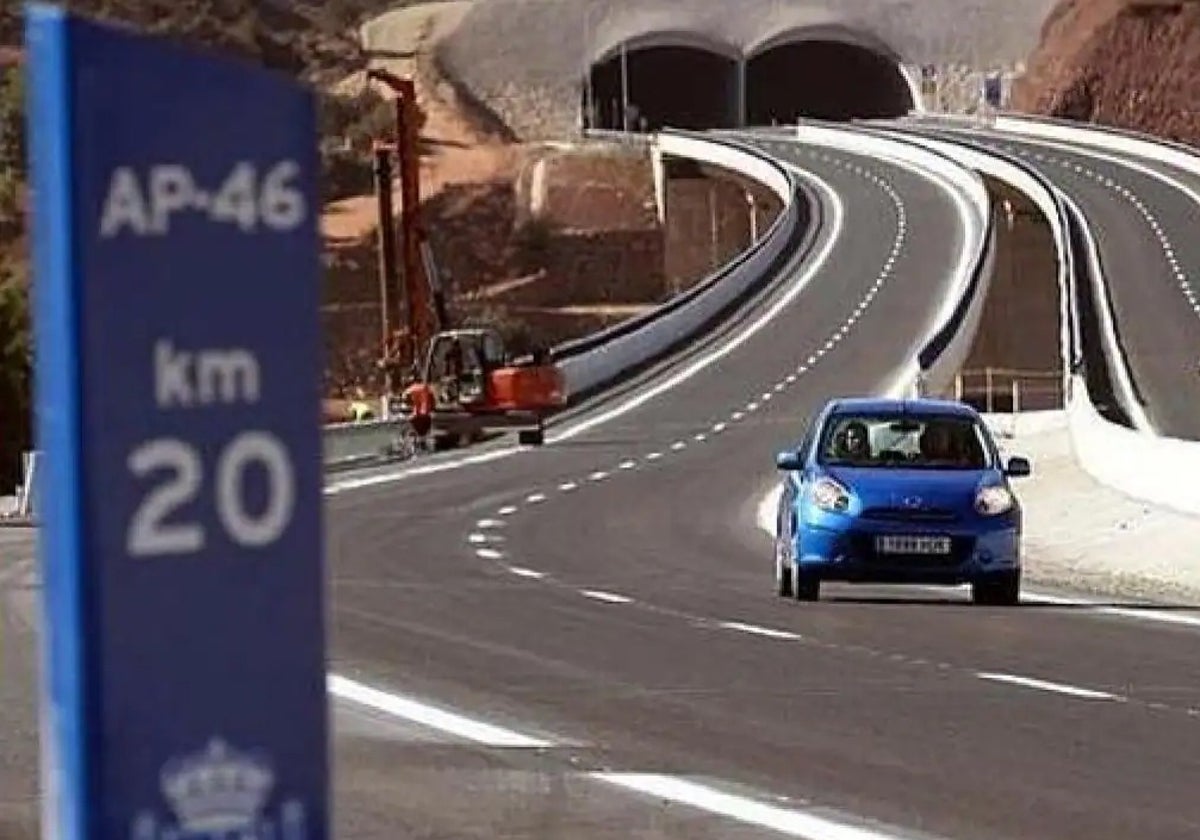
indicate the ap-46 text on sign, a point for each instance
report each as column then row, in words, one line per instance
column 143, row 203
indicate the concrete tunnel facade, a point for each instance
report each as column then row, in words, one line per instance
column 683, row 80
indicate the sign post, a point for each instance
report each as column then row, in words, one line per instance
column 178, row 361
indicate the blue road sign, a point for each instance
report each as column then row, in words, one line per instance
column 176, row 289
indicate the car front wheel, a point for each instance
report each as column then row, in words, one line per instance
column 783, row 571
column 807, row 586
column 1001, row 590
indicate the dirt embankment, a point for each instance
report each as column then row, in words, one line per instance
column 1128, row 63
column 544, row 242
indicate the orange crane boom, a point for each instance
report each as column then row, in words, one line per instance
column 466, row 382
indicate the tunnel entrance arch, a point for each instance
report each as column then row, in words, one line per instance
column 663, row 80
column 824, row 75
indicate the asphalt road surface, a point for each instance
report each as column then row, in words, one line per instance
column 1145, row 229
column 614, row 592
column 612, row 595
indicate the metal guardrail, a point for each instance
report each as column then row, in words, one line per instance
column 1010, row 390
column 347, row 445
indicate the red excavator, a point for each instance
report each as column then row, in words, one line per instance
column 464, row 384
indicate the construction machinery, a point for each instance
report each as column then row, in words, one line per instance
column 463, row 383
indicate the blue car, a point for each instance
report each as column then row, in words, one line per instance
column 899, row 491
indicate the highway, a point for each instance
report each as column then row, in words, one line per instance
column 614, row 592
column 611, row 595
column 1145, row 231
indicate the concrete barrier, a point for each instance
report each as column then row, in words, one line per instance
column 1155, row 469
column 593, row 362
column 1136, row 461
column 1048, row 200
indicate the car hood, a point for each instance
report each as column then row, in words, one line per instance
column 935, row 488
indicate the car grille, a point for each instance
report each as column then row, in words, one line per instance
column 863, row 548
column 896, row 514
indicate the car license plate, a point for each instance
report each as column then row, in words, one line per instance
column 912, row 545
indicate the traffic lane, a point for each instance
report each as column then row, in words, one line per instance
column 904, row 236
column 639, row 688
column 1149, row 254
column 393, row 779
column 384, row 526
column 414, row 531
column 811, row 320
column 680, row 536
column 682, row 531
column 787, row 376
column 398, row 528
column 370, row 542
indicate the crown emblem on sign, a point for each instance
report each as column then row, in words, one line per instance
column 217, row 790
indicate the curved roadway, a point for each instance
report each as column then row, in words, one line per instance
column 1143, row 215
column 615, row 590
column 612, row 594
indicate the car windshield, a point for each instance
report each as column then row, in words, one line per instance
column 947, row 441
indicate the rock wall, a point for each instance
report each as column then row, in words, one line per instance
column 1128, row 63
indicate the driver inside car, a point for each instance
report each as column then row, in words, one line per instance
column 935, row 444
column 852, row 443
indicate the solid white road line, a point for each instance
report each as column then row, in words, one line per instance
column 1044, row 685
column 425, row 715
column 789, row 821
column 1149, row 614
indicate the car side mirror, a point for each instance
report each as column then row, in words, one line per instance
column 789, row 461
column 1018, row 467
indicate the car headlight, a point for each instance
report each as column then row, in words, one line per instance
column 828, row 495
column 993, row 501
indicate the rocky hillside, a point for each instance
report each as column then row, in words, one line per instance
column 306, row 37
column 1127, row 63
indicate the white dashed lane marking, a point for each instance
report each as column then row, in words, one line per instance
column 767, row 395
column 1155, row 225
column 607, row 597
column 755, row 630
column 521, row 571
